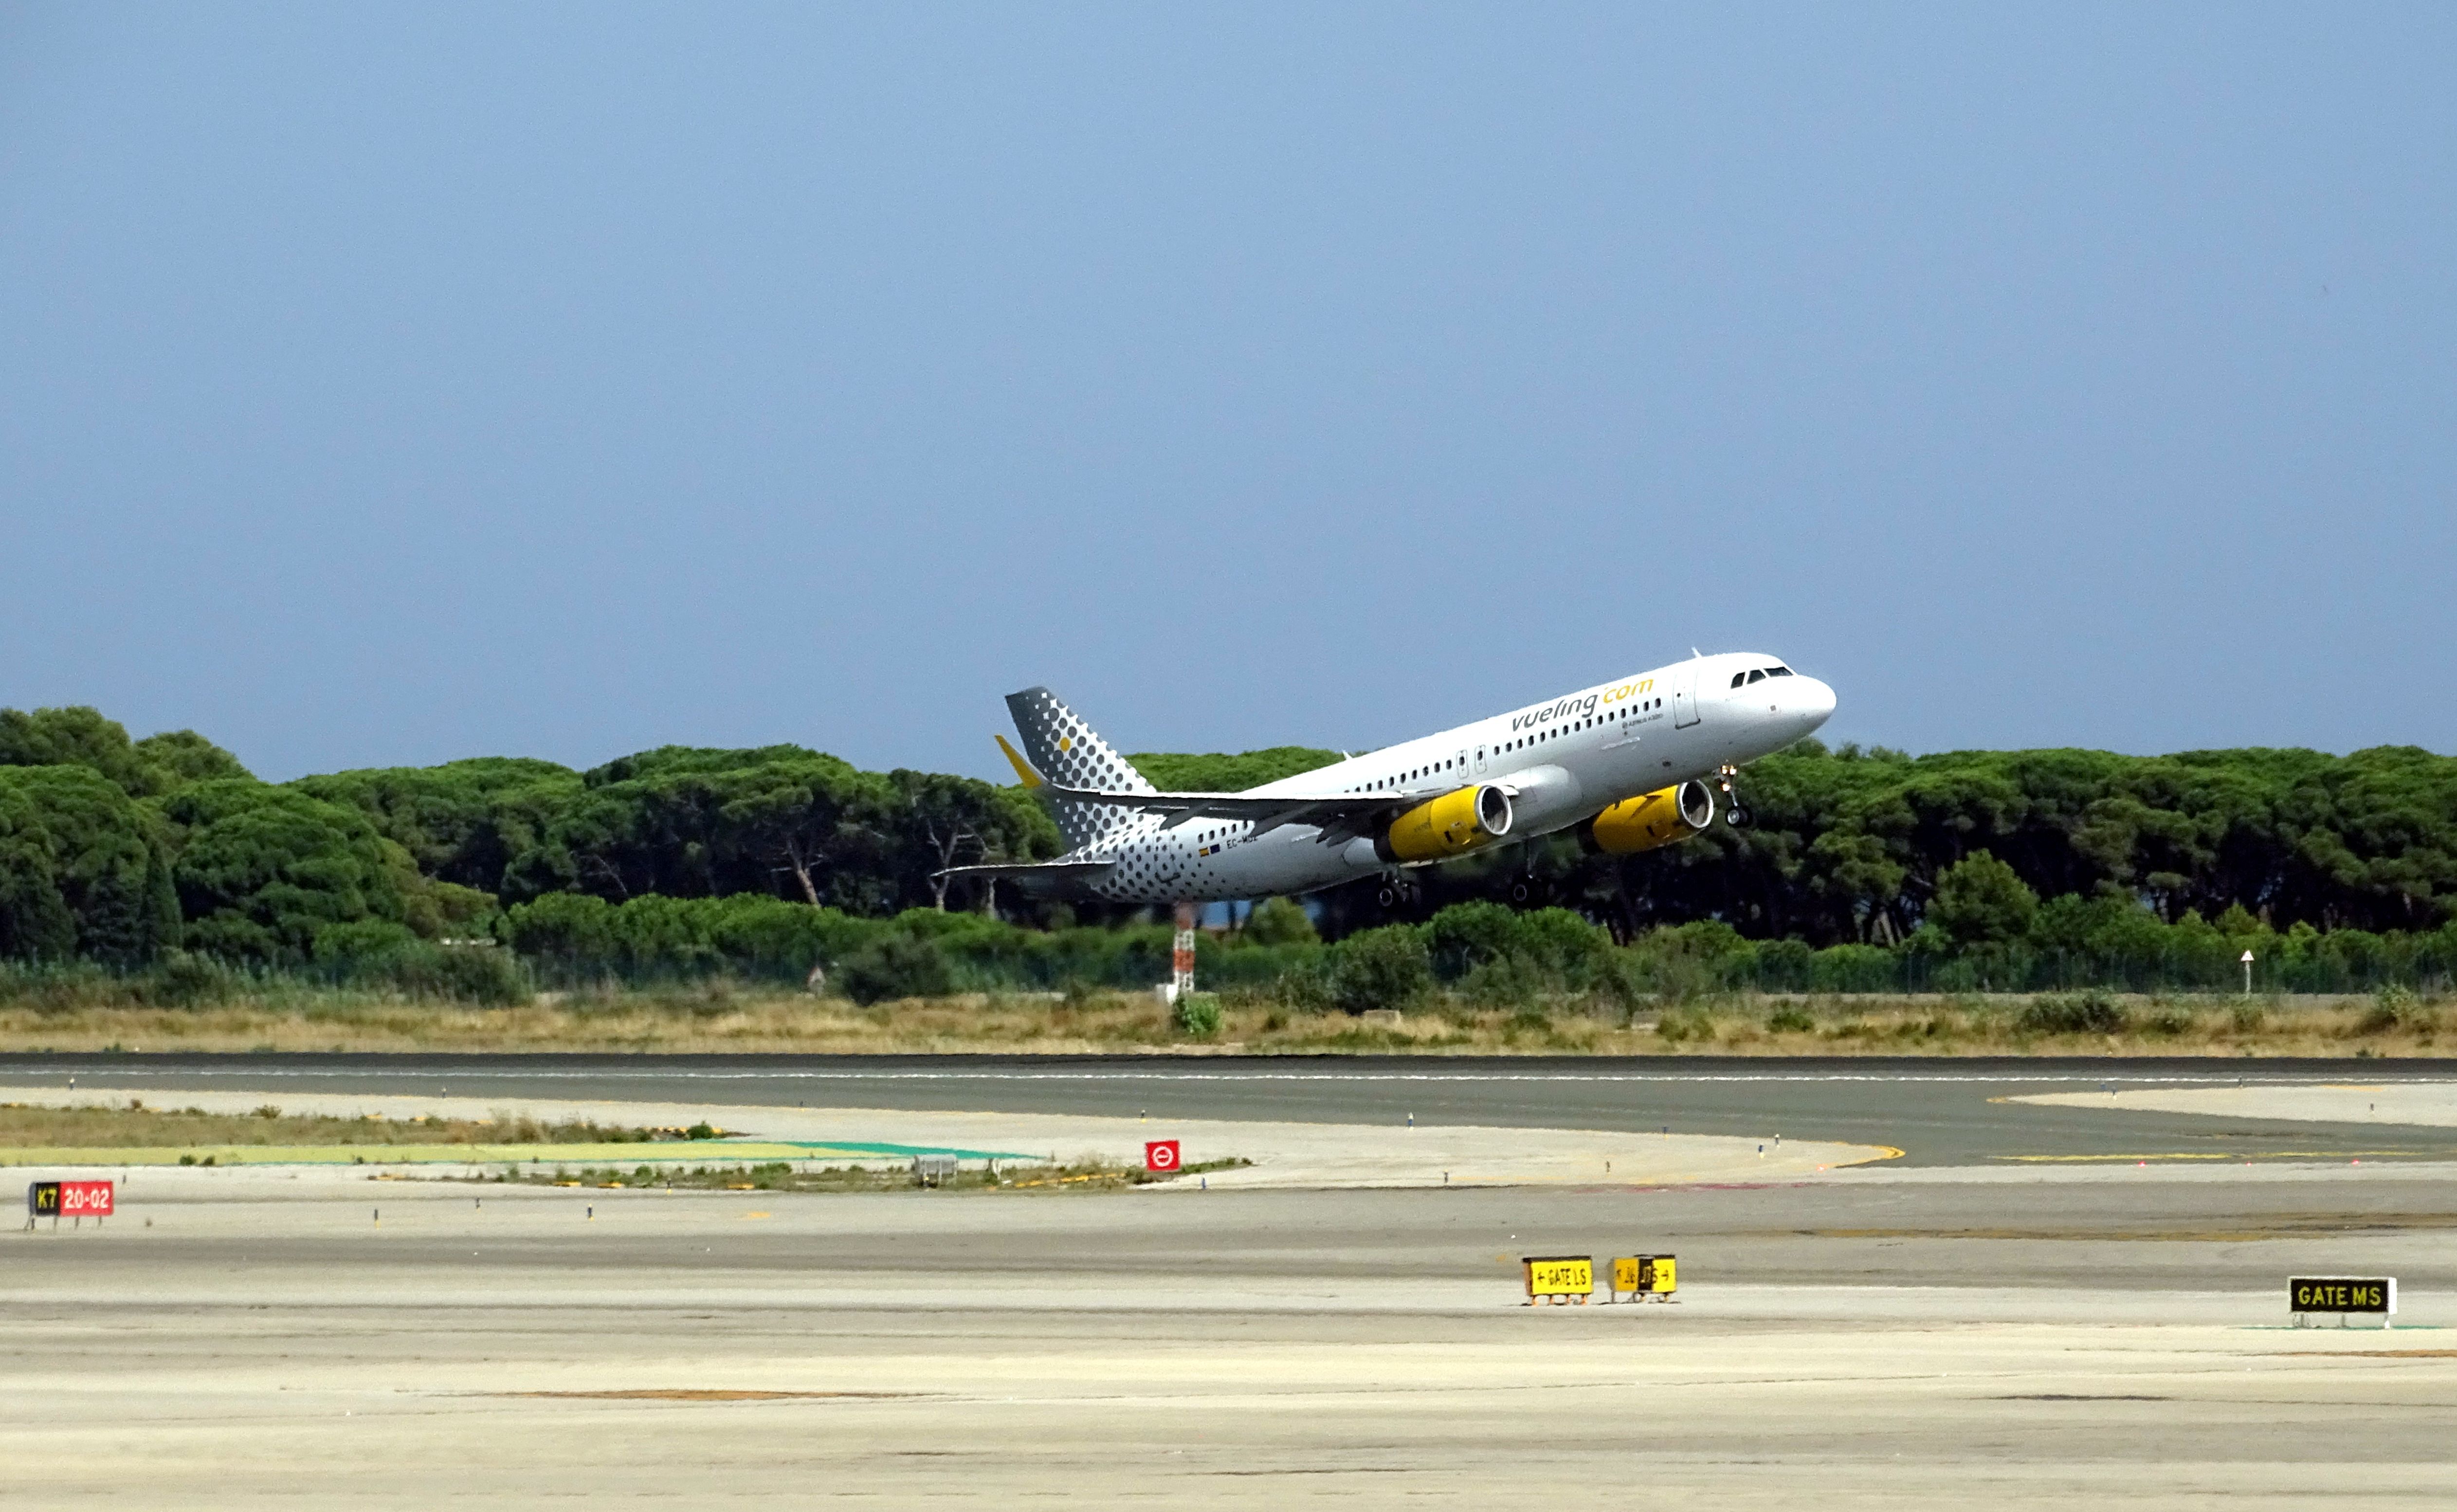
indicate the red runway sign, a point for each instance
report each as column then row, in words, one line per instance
column 68, row 1199
column 1160, row 1154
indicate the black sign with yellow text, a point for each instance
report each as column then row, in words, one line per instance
column 2341, row 1294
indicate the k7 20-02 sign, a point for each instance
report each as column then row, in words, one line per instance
column 68, row 1199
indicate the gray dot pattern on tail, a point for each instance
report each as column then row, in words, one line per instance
column 1066, row 751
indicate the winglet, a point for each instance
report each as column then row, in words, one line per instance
column 1024, row 774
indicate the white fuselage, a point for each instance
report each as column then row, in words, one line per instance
column 1564, row 760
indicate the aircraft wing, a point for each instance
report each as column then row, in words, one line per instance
column 1029, row 872
column 1342, row 816
column 1339, row 815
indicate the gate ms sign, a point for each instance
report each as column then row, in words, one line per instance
column 1160, row 1154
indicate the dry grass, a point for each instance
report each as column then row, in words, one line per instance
column 134, row 1126
column 721, row 1018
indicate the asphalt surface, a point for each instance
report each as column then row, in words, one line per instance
column 1937, row 1113
column 2119, row 1233
column 1886, row 1340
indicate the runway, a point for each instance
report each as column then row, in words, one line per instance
column 1939, row 1112
column 2052, row 1304
column 1896, row 1339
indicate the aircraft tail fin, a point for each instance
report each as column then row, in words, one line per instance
column 1070, row 754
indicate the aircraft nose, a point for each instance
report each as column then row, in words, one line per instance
column 1815, row 700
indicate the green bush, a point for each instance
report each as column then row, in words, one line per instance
column 1502, row 982
column 1280, row 921
column 2091, row 1012
column 1684, row 1023
column 897, row 966
column 1853, row 968
column 184, row 981
column 1790, row 1018
column 1783, row 965
column 487, row 976
column 1620, row 980
column 378, row 953
column 1981, row 901
column 1465, row 936
column 2169, row 1023
column 1197, row 1014
column 2395, row 1007
column 1380, row 968
column 362, row 942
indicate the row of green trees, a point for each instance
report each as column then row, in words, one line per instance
column 1850, row 845
column 1867, row 867
column 1488, row 952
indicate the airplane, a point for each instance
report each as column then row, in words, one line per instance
column 1625, row 763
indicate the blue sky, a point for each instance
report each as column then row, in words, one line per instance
column 385, row 385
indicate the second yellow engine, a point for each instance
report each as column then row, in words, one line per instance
column 1651, row 819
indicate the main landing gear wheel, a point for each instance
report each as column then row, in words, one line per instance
column 1739, row 817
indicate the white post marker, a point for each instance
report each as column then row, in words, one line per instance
column 2247, row 973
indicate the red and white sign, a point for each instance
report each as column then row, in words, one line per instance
column 84, row 1199
column 1160, row 1155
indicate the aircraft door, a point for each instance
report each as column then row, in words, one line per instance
column 1684, row 697
column 1479, row 760
column 1462, row 768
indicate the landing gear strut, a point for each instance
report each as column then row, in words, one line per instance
column 1736, row 813
column 1527, row 887
column 1395, row 892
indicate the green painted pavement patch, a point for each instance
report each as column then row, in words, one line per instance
column 671, row 1153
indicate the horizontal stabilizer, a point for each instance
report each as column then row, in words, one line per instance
column 1036, row 876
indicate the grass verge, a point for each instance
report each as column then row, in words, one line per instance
column 724, row 1018
column 135, row 1127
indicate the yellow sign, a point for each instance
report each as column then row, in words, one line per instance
column 1560, row 1274
column 1649, row 1274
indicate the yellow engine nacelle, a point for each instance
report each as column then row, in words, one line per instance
column 1651, row 819
column 1450, row 825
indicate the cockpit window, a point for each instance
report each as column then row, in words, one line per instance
column 1739, row 679
column 1777, row 671
column 1757, row 676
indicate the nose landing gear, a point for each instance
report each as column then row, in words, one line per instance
column 1736, row 813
